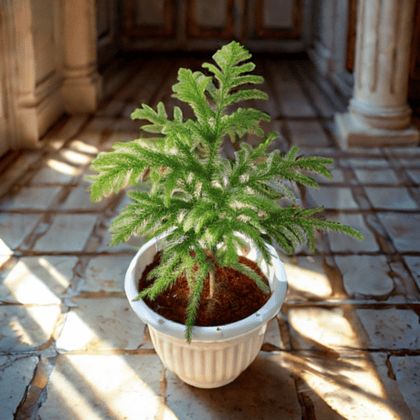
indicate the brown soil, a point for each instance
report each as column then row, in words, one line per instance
column 236, row 297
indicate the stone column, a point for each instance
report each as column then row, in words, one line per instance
column 82, row 86
column 379, row 114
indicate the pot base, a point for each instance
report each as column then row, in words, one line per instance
column 199, row 384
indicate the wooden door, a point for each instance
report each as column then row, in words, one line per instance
column 351, row 34
column 414, row 81
column 207, row 24
column 107, row 29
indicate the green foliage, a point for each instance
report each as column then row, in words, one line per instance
column 202, row 199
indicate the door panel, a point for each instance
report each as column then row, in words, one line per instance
column 150, row 18
column 207, row 19
column 278, row 19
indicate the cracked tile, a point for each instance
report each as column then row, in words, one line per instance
column 407, row 373
column 97, row 324
column 395, row 400
column 16, row 373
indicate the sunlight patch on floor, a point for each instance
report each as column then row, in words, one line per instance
column 4, row 249
column 36, row 281
column 306, row 279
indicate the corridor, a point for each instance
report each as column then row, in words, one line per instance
column 346, row 344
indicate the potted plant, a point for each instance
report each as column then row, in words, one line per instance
column 210, row 222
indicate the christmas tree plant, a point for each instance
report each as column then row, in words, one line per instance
column 201, row 198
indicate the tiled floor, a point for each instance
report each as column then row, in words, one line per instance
column 346, row 344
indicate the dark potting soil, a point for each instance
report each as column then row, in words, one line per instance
column 236, row 297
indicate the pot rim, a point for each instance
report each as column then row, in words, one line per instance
column 278, row 285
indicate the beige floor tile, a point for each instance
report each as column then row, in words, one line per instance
column 110, row 387
column 407, row 370
column 16, row 373
column 36, row 198
column 365, row 275
column 344, row 243
column 307, row 279
column 272, row 335
column 14, row 228
column 307, row 134
column 67, row 233
column 414, row 175
column 97, row 324
column 24, row 328
column 396, row 400
column 38, row 280
column 56, row 172
column 74, row 158
column 336, row 198
column 342, row 387
column 265, row 390
column 327, row 329
column 403, row 229
column 82, row 147
column 376, row 176
column 413, row 264
column 391, row 328
column 105, row 273
column 79, row 199
column 397, row 198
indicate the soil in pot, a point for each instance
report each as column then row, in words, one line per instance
column 236, row 297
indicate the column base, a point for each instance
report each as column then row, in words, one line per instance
column 33, row 121
column 82, row 94
column 352, row 134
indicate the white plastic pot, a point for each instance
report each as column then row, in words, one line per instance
column 216, row 355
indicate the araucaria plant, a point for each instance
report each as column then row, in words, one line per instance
column 201, row 198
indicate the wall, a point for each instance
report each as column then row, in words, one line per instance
column 31, row 70
column 48, row 56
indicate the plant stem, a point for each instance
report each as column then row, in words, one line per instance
column 212, row 273
column 212, row 282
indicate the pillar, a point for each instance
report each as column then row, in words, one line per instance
column 82, row 85
column 379, row 114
